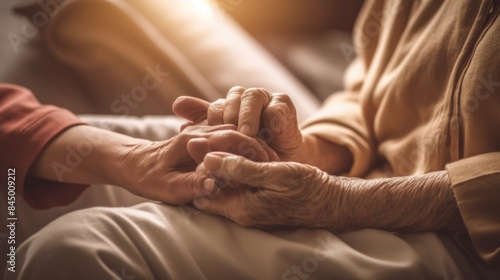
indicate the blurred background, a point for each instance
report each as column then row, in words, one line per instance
column 305, row 36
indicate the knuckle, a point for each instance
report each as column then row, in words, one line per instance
column 223, row 127
column 282, row 104
column 215, row 111
column 290, row 171
column 236, row 89
column 257, row 93
column 230, row 135
column 217, row 104
column 237, row 170
column 233, row 98
column 304, row 173
column 185, row 136
column 282, row 97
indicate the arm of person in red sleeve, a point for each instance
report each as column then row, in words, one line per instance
column 49, row 148
column 26, row 128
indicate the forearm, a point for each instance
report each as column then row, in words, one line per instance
column 412, row 203
column 327, row 156
column 84, row 154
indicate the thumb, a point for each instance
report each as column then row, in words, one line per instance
column 231, row 169
column 191, row 108
column 198, row 148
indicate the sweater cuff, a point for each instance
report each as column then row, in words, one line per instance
column 476, row 186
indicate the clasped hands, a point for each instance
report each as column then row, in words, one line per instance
column 237, row 157
column 253, row 178
column 244, row 157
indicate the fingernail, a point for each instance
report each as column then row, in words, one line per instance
column 208, row 185
column 201, row 203
column 213, row 162
column 246, row 129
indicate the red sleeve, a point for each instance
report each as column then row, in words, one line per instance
column 26, row 128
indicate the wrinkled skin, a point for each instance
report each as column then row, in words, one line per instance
column 256, row 112
column 268, row 194
column 168, row 167
column 257, row 194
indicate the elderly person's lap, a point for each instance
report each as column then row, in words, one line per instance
column 155, row 241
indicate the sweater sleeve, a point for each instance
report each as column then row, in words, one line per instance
column 26, row 129
column 476, row 186
column 341, row 119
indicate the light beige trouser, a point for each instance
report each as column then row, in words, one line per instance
column 155, row 241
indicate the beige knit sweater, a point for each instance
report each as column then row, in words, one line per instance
column 424, row 95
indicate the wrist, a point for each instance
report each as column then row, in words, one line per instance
column 104, row 163
column 83, row 155
column 121, row 159
column 340, row 208
column 327, row 156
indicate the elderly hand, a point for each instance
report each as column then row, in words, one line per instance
column 271, row 117
column 273, row 194
column 257, row 113
column 270, row 194
column 165, row 170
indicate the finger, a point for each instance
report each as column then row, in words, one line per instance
column 200, row 128
column 230, row 203
column 191, row 108
column 198, row 148
column 179, row 144
column 215, row 112
column 208, row 188
column 213, row 183
column 253, row 101
column 237, row 143
column 271, row 153
column 281, row 129
column 239, row 170
column 178, row 189
column 232, row 106
column 279, row 113
column 219, row 203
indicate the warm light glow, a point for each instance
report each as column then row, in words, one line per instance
column 203, row 7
